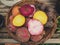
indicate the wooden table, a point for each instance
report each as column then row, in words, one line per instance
column 4, row 36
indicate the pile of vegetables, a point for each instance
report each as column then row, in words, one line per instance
column 28, row 22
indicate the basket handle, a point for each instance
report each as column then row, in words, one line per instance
column 29, row 0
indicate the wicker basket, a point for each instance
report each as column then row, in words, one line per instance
column 49, row 10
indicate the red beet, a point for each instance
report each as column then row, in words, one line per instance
column 36, row 38
column 26, row 10
column 27, row 20
column 15, row 10
column 33, row 12
column 23, row 34
column 11, row 19
column 12, row 28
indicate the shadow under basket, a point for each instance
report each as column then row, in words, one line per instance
column 51, row 16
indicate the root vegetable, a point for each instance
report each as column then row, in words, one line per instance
column 35, row 27
column 23, row 34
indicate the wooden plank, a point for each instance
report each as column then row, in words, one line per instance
column 46, row 1
column 5, row 36
column 8, row 41
column 11, row 44
column 55, row 36
column 14, row 41
column 3, row 30
column 4, row 14
column 53, row 41
column 4, row 10
column 58, row 31
column 2, row 6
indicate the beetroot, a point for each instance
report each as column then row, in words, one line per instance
column 23, row 34
column 35, row 27
column 11, row 18
column 31, row 16
column 26, row 10
column 12, row 28
column 36, row 38
column 15, row 10
column 27, row 20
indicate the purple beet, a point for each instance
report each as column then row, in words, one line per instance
column 26, row 10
